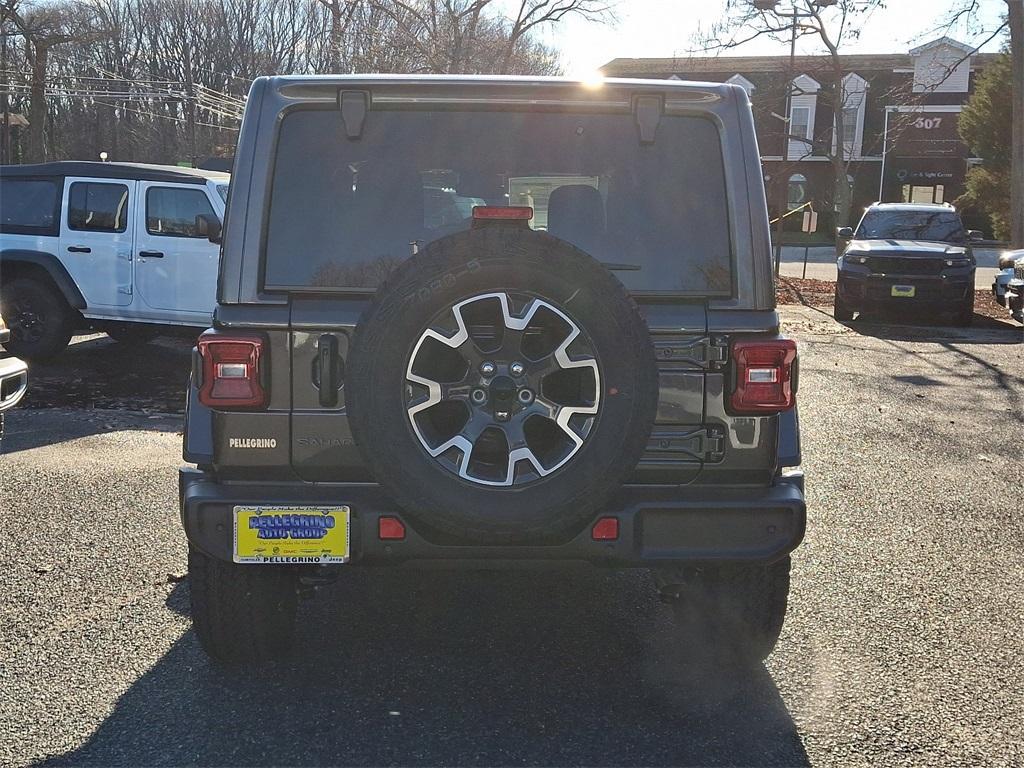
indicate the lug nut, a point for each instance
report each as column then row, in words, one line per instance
column 525, row 396
column 488, row 368
column 516, row 369
column 478, row 396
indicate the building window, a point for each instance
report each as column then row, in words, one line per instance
column 799, row 127
column 854, row 98
column 796, row 191
column 804, row 100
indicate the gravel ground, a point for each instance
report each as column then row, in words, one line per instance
column 902, row 645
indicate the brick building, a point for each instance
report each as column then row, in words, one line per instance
column 899, row 114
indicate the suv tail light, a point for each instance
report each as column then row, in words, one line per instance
column 232, row 371
column 765, row 375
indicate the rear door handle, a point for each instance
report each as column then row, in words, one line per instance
column 151, row 254
column 79, row 249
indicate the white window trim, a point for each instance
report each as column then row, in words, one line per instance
column 853, row 85
column 804, row 95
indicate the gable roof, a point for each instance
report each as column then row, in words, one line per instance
column 947, row 42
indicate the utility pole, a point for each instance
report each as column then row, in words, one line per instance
column 190, row 104
column 5, row 128
column 1016, row 24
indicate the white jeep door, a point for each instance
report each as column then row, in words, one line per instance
column 96, row 233
column 176, row 271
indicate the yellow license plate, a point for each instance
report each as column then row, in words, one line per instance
column 291, row 535
column 904, row 291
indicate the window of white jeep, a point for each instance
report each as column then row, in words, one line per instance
column 172, row 211
column 98, row 207
column 343, row 216
column 29, row 206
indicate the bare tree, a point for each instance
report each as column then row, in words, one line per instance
column 832, row 24
column 43, row 28
column 535, row 13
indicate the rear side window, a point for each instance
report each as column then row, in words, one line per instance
column 98, row 207
column 344, row 215
column 172, row 211
column 29, row 206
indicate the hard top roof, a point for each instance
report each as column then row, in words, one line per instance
column 926, row 207
column 142, row 171
column 593, row 86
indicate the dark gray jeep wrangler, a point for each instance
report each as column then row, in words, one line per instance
column 492, row 320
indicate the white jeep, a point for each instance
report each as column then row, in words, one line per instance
column 122, row 248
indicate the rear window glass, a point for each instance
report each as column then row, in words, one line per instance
column 344, row 213
column 942, row 226
column 29, row 206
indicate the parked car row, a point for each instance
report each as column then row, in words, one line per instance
column 1008, row 286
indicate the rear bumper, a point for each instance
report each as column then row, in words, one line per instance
column 13, row 382
column 657, row 525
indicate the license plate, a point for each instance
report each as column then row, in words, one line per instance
column 904, row 291
column 291, row 535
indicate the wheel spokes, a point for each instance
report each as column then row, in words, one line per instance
column 483, row 389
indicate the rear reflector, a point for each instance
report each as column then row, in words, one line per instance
column 765, row 371
column 605, row 529
column 503, row 212
column 232, row 371
column 390, row 528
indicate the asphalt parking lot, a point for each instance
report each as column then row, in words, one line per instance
column 902, row 646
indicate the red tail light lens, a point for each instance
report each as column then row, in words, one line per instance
column 503, row 212
column 390, row 529
column 765, row 375
column 232, row 375
column 605, row 529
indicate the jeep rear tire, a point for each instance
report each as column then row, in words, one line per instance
column 40, row 320
column 731, row 614
column 502, row 385
column 242, row 614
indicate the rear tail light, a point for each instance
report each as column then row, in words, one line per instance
column 232, row 371
column 502, row 212
column 605, row 529
column 390, row 528
column 765, row 375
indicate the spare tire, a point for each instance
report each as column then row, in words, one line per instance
column 501, row 386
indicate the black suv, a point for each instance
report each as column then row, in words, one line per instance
column 907, row 255
column 491, row 320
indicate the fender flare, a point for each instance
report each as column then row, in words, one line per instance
column 52, row 266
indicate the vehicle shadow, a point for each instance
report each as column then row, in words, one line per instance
column 909, row 326
column 468, row 668
column 97, row 372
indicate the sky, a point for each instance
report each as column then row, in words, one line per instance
column 656, row 28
